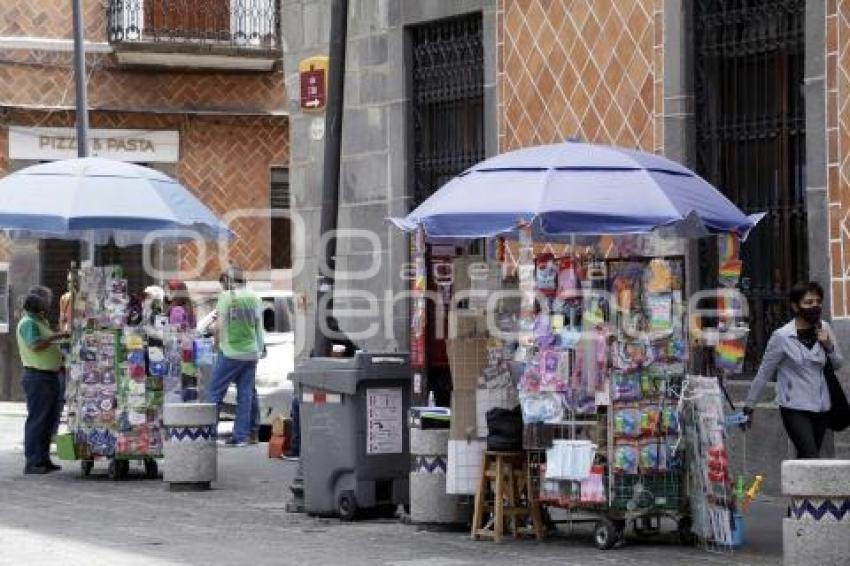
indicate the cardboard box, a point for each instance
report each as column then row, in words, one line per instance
column 464, row 466
column 464, row 323
column 463, row 425
column 467, row 359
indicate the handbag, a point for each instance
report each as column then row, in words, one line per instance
column 839, row 411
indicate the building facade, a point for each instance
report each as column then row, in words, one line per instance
column 194, row 89
column 752, row 95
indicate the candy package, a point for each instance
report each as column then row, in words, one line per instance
column 653, row 455
column 670, row 420
column 626, row 458
column 627, row 419
column 551, row 378
column 546, row 274
column 625, row 386
column 650, row 420
column 541, row 407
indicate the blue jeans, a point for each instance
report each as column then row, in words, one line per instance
column 242, row 373
column 42, row 393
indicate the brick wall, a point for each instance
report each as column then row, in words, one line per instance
column 51, row 18
column 838, row 151
column 45, row 79
column 225, row 161
column 587, row 68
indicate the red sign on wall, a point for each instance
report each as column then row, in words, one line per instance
column 314, row 92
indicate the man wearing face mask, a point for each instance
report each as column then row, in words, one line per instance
column 796, row 356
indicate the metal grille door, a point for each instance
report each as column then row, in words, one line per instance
column 448, row 101
column 751, row 140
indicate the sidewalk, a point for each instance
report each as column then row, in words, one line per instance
column 98, row 521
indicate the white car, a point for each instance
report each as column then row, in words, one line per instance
column 274, row 390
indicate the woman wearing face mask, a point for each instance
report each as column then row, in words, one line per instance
column 795, row 356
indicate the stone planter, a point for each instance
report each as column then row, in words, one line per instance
column 818, row 530
column 190, row 452
column 429, row 503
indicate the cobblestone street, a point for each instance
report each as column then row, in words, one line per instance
column 62, row 518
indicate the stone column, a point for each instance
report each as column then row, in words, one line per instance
column 818, row 530
column 429, row 503
column 190, row 457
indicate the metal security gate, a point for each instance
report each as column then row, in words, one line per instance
column 448, row 101
column 751, row 140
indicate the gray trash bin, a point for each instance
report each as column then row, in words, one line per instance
column 355, row 449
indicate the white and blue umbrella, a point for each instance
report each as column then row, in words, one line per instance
column 575, row 188
column 99, row 200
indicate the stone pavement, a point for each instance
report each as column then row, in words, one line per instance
column 65, row 519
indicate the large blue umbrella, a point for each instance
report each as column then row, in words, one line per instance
column 100, row 200
column 576, row 188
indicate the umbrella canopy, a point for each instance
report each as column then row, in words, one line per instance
column 576, row 188
column 102, row 200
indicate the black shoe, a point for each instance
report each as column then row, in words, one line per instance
column 36, row 470
column 52, row 467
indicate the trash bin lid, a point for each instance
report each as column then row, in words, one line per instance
column 342, row 375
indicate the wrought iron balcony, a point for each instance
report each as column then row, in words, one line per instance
column 237, row 34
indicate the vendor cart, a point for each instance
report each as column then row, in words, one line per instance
column 603, row 441
column 115, row 401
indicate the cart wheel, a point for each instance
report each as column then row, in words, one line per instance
column 151, row 469
column 606, row 534
column 86, row 467
column 119, row 469
column 347, row 506
column 686, row 536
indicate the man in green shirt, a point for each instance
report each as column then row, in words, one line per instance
column 240, row 343
column 42, row 360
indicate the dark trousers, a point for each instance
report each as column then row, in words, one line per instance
column 806, row 431
column 42, row 392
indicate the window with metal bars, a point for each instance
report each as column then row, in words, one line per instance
column 281, row 227
column 448, row 101
column 750, row 126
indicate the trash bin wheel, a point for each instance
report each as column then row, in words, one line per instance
column 118, row 469
column 686, row 536
column 347, row 506
column 86, row 467
column 606, row 534
column 151, row 469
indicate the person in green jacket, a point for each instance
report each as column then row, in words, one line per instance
column 42, row 360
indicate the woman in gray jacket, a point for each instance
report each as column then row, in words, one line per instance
column 796, row 355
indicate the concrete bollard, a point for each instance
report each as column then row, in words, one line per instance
column 818, row 530
column 190, row 452
column 429, row 503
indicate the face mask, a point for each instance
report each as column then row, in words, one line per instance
column 811, row 314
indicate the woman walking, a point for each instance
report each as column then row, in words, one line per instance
column 796, row 356
column 42, row 360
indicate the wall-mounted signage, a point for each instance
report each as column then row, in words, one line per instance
column 138, row 146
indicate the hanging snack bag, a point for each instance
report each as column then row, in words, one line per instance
column 567, row 280
column 670, row 420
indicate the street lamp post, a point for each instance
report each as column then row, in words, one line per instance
column 80, row 80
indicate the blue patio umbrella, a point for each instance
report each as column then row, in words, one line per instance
column 575, row 188
column 99, row 200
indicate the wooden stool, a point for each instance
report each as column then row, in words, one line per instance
column 505, row 476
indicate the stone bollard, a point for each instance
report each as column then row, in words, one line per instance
column 190, row 452
column 429, row 503
column 818, row 530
